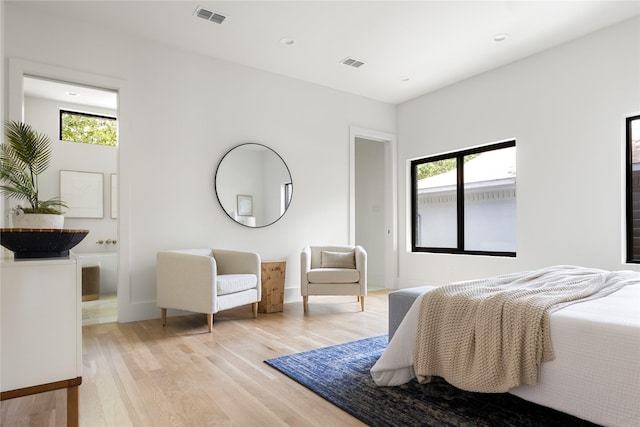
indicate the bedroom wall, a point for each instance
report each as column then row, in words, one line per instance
column 181, row 112
column 566, row 108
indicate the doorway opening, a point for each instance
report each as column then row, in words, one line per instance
column 18, row 69
column 44, row 101
column 373, row 206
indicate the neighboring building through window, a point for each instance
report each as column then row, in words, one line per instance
column 633, row 189
column 465, row 202
column 88, row 128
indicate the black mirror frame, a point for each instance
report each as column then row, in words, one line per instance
column 215, row 184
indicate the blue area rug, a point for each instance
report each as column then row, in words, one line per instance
column 340, row 374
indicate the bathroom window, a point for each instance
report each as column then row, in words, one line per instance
column 88, row 128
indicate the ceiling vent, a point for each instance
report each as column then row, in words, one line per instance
column 208, row 15
column 352, row 62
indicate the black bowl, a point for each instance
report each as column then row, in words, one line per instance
column 40, row 243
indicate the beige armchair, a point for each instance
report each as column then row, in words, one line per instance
column 207, row 281
column 333, row 270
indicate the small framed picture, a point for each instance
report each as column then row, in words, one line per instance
column 245, row 205
column 82, row 191
column 114, row 196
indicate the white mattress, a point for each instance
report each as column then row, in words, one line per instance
column 595, row 375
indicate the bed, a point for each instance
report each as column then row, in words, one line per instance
column 595, row 374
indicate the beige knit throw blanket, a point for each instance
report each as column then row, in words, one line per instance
column 492, row 334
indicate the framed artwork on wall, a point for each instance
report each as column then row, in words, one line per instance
column 114, row 196
column 245, row 205
column 82, row 191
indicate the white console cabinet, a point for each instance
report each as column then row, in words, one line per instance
column 41, row 329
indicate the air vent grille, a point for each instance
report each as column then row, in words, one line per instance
column 352, row 62
column 208, row 15
column 217, row 18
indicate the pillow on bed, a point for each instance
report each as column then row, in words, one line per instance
column 330, row 259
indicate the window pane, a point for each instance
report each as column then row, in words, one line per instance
column 633, row 139
column 490, row 201
column 88, row 128
column 436, row 222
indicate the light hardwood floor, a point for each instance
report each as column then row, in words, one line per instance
column 102, row 310
column 144, row 374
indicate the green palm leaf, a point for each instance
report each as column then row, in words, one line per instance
column 24, row 156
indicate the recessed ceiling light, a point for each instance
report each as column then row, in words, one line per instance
column 287, row 41
column 72, row 93
column 500, row 37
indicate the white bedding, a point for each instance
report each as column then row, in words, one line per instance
column 596, row 371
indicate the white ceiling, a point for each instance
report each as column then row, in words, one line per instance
column 430, row 43
column 69, row 93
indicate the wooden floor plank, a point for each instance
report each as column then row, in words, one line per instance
column 144, row 374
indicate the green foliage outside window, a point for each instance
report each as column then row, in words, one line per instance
column 89, row 129
column 438, row 167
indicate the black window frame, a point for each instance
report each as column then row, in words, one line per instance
column 80, row 113
column 459, row 156
column 629, row 193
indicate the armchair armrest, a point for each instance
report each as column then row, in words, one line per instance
column 361, row 266
column 185, row 281
column 305, row 262
column 361, row 259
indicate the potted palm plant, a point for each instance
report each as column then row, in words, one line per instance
column 23, row 157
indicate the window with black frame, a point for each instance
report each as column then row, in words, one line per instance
column 88, row 128
column 633, row 189
column 465, row 202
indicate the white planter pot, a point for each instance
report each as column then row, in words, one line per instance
column 31, row 220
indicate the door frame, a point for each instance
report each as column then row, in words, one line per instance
column 390, row 196
column 18, row 68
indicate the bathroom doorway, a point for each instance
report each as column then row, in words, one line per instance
column 55, row 107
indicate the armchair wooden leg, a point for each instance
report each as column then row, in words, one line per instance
column 164, row 317
column 305, row 303
column 210, row 321
column 362, row 303
column 255, row 310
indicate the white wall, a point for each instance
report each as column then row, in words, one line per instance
column 566, row 108
column 181, row 112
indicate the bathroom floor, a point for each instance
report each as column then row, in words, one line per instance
column 102, row 310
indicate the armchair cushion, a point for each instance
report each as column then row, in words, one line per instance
column 333, row 275
column 232, row 283
column 330, row 259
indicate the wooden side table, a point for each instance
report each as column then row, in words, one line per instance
column 90, row 282
column 272, row 273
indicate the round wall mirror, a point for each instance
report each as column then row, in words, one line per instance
column 253, row 185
